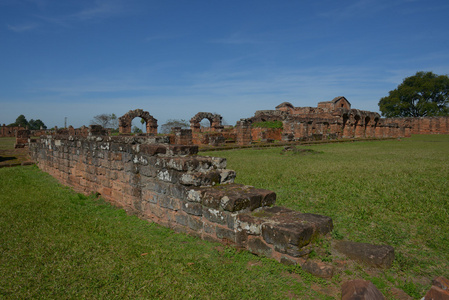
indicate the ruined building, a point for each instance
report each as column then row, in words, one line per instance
column 333, row 119
column 329, row 120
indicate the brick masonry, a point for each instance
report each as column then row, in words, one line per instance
column 334, row 119
column 170, row 185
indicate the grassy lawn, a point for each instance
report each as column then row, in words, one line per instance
column 10, row 156
column 58, row 244
column 55, row 243
column 385, row 192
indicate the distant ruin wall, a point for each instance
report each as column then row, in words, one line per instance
column 335, row 119
column 9, row 131
column 429, row 125
column 170, row 185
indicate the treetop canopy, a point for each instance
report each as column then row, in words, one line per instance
column 421, row 95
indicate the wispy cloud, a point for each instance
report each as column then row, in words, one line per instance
column 100, row 9
column 23, row 27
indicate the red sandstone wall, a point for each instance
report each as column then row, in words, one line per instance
column 9, row 131
column 258, row 134
column 429, row 125
column 169, row 185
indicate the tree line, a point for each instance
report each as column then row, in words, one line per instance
column 32, row 124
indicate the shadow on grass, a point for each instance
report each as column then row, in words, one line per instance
column 2, row 158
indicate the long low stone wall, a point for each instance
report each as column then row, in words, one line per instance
column 171, row 185
column 430, row 125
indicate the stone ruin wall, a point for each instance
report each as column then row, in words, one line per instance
column 427, row 125
column 171, row 185
column 329, row 120
column 9, row 131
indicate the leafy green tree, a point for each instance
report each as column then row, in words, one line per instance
column 36, row 124
column 20, row 121
column 424, row 94
column 166, row 128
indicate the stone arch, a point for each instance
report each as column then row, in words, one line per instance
column 214, row 119
column 125, row 121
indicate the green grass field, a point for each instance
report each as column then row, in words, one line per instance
column 10, row 156
column 384, row 192
column 55, row 243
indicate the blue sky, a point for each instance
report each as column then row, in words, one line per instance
column 78, row 59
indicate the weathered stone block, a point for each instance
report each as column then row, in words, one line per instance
column 153, row 149
column 288, row 231
column 287, row 238
column 318, row 268
column 219, row 162
column 181, row 218
column 192, row 208
column 149, row 195
column 360, row 289
column 194, row 223
column 209, row 227
column 208, row 178
column 436, row 293
column 441, row 282
column 321, row 224
column 195, row 195
column 225, row 233
column 236, row 197
column 227, row 176
column 181, row 150
column 169, row 202
column 249, row 224
column 168, row 176
column 157, row 186
column 257, row 246
column 148, row 171
column 130, row 167
column 214, row 216
column 379, row 256
column 178, row 191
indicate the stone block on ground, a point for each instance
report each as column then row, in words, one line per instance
column 379, row 256
column 318, row 268
column 360, row 290
column 439, row 289
column 287, row 230
column 436, row 293
column 399, row 294
column 259, row 247
column 441, row 282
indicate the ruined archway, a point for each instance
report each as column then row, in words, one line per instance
column 125, row 121
column 214, row 119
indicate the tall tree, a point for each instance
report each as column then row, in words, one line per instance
column 424, row 94
column 21, row 121
column 36, row 124
column 105, row 120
